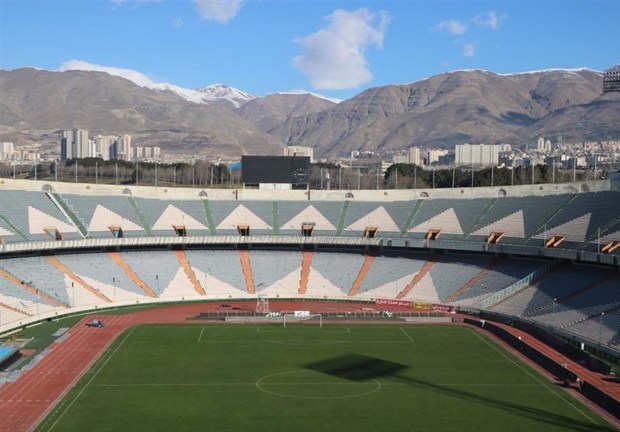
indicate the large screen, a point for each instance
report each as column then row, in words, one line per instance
column 275, row 169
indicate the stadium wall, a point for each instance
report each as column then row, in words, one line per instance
column 380, row 195
column 558, row 370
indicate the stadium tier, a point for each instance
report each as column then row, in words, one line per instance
column 65, row 251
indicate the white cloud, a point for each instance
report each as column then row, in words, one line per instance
column 490, row 19
column 469, row 50
column 454, row 27
column 129, row 74
column 334, row 57
column 221, row 11
column 178, row 23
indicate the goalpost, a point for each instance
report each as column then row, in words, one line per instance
column 295, row 318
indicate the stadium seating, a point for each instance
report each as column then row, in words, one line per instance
column 570, row 296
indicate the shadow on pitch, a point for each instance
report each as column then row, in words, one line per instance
column 356, row 367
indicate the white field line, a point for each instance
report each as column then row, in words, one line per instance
column 301, row 384
column 91, row 380
column 303, row 341
column 406, row 334
column 201, row 332
column 542, row 383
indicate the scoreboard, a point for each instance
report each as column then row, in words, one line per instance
column 275, row 169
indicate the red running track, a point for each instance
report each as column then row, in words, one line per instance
column 25, row 403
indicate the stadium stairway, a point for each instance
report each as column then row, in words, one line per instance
column 428, row 265
column 118, row 258
column 210, row 222
column 414, row 211
column 343, row 217
column 14, row 227
column 189, row 271
column 591, row 316
column 14, row 309
column 608, row 228
column 32, row 290
column 306, row 263
column 275, row 219
column 361, row 275
column 140, row 215
column 550, row 217
column 487, row 208
column 246, row 266
column 76, row 279
column 517, row 287
column 595, row 284
column 68, row 212
column 473, row 281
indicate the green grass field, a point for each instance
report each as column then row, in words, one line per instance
column 306, row 378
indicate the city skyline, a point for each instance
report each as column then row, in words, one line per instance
column 336, row 48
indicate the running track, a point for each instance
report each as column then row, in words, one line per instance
column 26, row 402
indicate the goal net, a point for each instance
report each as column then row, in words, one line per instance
column 288, row 319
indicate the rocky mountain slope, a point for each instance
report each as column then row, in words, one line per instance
column 441, row 111
column 457, row 107
column 35, row 104
column 270, row 111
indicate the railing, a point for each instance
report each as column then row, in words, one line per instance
column 515, row 287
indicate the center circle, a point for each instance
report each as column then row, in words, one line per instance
column 305, row 384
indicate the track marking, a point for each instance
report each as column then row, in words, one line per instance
column 201, row 332
column 406, row 334
column 542, row 383
column 91, row 379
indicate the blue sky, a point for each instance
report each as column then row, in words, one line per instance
column 335, row 48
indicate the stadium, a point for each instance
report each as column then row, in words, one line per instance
column 536, row 267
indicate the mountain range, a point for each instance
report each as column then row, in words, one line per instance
column 219, row 121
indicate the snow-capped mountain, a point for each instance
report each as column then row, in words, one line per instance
column 220, row 93
column 216, row 94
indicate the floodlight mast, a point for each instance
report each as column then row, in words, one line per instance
column 262, row 304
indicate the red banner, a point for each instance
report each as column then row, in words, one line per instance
column 393, row 302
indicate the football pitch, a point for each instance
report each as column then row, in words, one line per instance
column 307, row 378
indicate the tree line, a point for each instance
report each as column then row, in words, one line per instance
column 321, row 175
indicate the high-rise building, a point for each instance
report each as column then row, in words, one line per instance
column 104, row 146
column 477, row 154
column 6, row 150
column 415, row 156
column 123, row 148
column 75, row 144
column 434, row 155
column 299, row 151
column 542, row 145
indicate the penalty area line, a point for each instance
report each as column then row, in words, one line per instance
column 201, row 332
